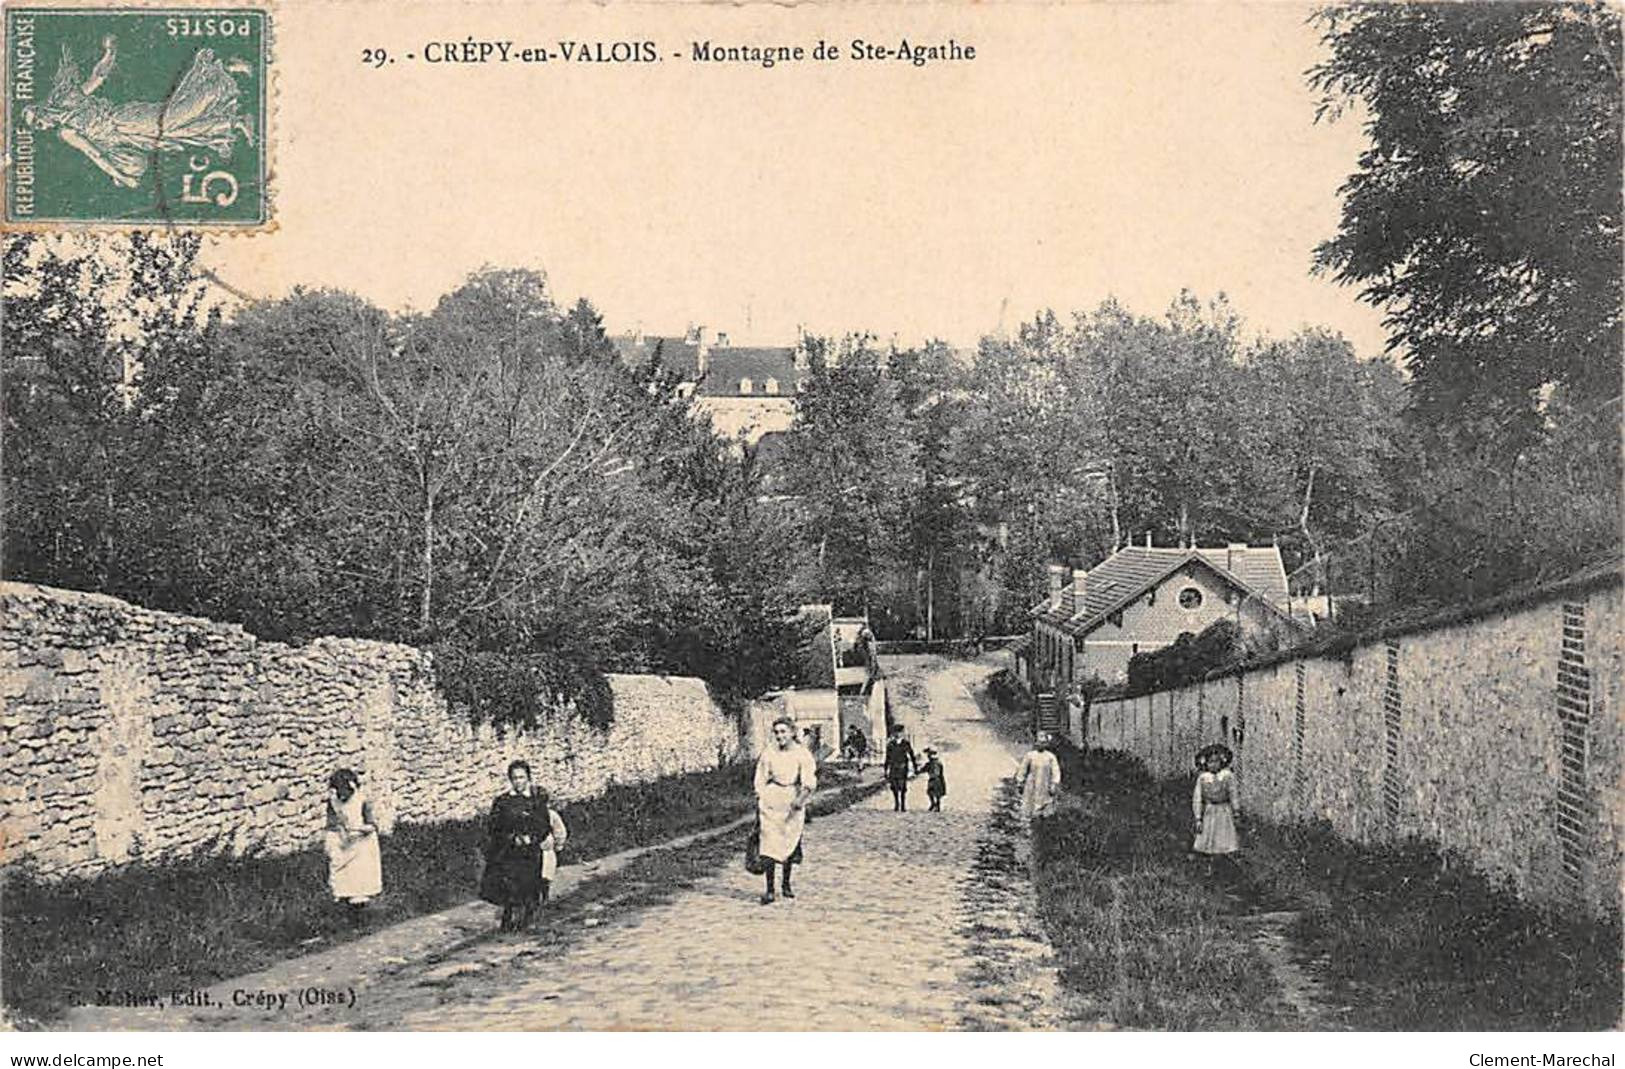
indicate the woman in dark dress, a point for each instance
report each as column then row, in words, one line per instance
column 513, row 850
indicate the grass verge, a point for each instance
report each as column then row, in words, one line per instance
column 198, row 920
column 1416, row 941
column 1143, row 932
column 1400, row 936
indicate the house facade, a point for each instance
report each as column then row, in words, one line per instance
column 1143, row 598
column 747, row 391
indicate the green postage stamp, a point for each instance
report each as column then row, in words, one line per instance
column 130, row 116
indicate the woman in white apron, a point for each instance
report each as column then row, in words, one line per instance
column 354, row 867
column 786, row 776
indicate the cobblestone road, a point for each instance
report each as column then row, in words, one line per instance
column 912, row 921
column 917, row 920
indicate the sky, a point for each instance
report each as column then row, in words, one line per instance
column 1088, row 150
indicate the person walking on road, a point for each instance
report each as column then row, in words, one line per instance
column 513, row 850
column 786, row 777
column 1213, row 803
column 936, row 782
column 354, row 866
column 900, row 765
column 856, row 747
column 1040, row 779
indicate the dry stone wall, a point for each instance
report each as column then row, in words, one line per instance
column 130, row 734
column 1496, row 737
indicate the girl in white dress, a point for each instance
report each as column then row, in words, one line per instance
column 354, row 867
column 786, row 776
column 1214, row 803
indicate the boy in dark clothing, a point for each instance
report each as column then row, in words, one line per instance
column 936, row 784
column 900, row 765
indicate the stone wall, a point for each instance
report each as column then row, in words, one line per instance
column 131, row 734
column 1494, row 735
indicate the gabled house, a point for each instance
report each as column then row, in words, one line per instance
column 748, row 391
column 1142, row 598
column 685, row 358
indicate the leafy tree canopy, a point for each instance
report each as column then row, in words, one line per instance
column 1484, row 217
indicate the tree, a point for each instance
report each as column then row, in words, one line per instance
column 1485, row 214
column 853, row 469
column 1031, row 451
column 108, row 358
column 1324, row 441
column 486, row 479
column 930, row 401
column 1078, row 436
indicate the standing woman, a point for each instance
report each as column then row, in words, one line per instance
column 900, row 765
column 1214, row 802
column 785, row 780
column 513, row 850
column 354, row 868
column 1040, row 779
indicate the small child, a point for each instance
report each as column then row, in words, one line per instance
column 1214, row 802
column 936, row 784
column 550, row 845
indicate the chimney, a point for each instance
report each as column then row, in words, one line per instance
column 1230, row 555
column 722, row 339
column 1079, row 578
column 702, row 352
column 1148, row 540
column 1057, row 580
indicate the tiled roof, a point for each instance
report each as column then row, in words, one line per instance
column 726, row 365
column 678, row 355
column 1258, row 567
column 1133, row 570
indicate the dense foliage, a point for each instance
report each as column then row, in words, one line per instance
column 940, row 484
column 1187, row 659
column 487, row 479
column 1484, row 219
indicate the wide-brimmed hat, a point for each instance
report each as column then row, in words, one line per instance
column 932, row 750
column 1217, row 749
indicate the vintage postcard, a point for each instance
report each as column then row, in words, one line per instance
column 817, row 517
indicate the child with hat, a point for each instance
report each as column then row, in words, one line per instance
column 1214, row 802
column 936, row 784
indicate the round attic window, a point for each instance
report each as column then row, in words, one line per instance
column 1190, row 598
